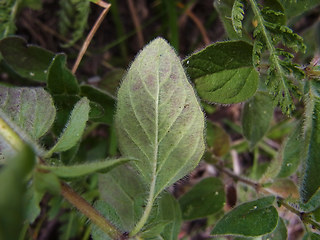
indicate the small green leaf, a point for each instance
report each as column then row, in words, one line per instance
column 311, row 236
column 280, row 232
column 256, row 117
column 153, row 230
column 46, row 182
column 249, row 219
column 31, row 109
column 205, row 198
column 74, row 128
column 60, row 78
column 106, row 100
column 237, row 16
column 33, row 199
column 290, row 153
column 84, row 169
column 159, row 119
column 28, row 61
column 223, row 72
column 218, row 140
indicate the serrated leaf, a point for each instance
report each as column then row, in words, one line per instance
column 311, row 236
column 123, row 189
column 74, row 128
column 256, row 117
column 60, row 78
column 159, row 120
column 84, row 169
column 223, row 72
column 12, row 188
column 205, row 198
column 106, row 100
column 311, row 181
column 290, row 154
column 280, row 232
column 237, row 16
column 249, row 219
column 218, row 140
column 28, row 61
column 31, row 109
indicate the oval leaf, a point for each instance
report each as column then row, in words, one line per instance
column 84, row 169
column 28, row 61
column 256, row 117
column 74, row 128
column 159, row 120
column 205, row 198
column 280, row 233
column 249, row 219
column 223, row 72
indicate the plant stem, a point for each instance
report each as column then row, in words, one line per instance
column 86, row 209
column 90, row 36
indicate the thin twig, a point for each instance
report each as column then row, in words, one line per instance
column 90, row 36
column 136, row 23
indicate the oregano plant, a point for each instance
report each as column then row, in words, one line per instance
column 146, row 154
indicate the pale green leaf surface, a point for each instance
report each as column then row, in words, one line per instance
column 84, row 169
column 205, row 198
column 223, row 72
column 124, row 191
column 74, row 127
column 28, row 61
column 159, row 120
column 249, row 219
column 31, row 109
column 256, row 117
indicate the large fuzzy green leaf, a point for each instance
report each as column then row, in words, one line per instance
column 159, row 120
column 311, row 154
column 256, row 117
column 205, row 198
column 223, row 72
column 249, row 219
column 31, row 109
column 28, row 61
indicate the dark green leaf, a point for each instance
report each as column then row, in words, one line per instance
column 249, row 219
column 280, row 233
column 85, row 169
column 28, row 61
column 223, row 72
column 205, row 198
column 312, row 204
column 74, row 128
column 104, row 99
column 12, row 188
column 256, row 117
column 294, row 8
column 159, row 119
column 60, row 78
column 218, row 140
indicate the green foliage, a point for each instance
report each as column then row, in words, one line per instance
column 237, row 16
column 73, row 17
column 8, row 10
column 223, row 72
column 250, row 219
column 205, row 198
